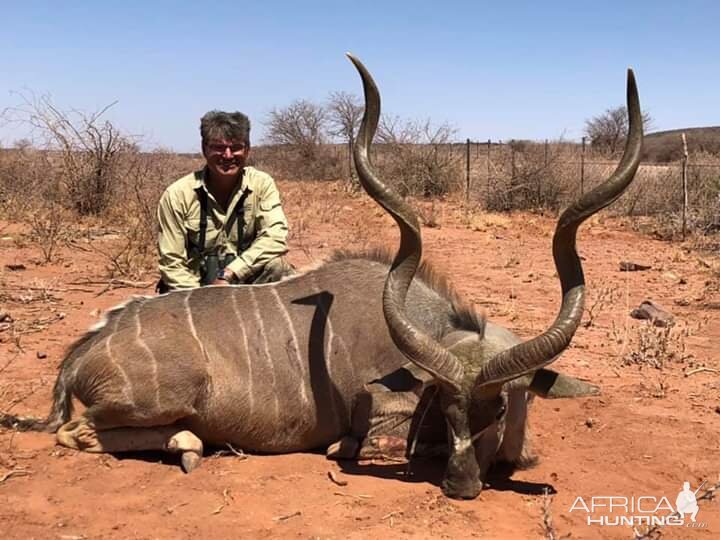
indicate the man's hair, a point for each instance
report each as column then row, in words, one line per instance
column 233, row 126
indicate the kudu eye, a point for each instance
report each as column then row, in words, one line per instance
column 500, row 412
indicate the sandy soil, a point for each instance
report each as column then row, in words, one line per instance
column 649, row 431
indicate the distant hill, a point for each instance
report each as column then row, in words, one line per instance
column 664, row 146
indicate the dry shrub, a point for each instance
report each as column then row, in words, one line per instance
column 704, row 193
column 657, row 347
column 418, row 158
column 529, row 176
column 286, row 162
column 134, row 212
column 30, row 193
column 24, row 180
column 34, row 190
column 49, row 227
column 425, row 170
column 83, row 151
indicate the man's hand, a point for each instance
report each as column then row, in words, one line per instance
column 225, row 278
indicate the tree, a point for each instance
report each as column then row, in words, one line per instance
column 301, row 124
column 417, row 155
column 608, row 131
column 89, row 149
column 344, row 115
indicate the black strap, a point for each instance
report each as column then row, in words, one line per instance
column 240, row 218
column 203, row 196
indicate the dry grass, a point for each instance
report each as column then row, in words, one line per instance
column 521, row 175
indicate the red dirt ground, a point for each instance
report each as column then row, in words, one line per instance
column 649, row 431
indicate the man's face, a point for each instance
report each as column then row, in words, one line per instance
column 225, row 158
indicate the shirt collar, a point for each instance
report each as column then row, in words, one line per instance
column 201, row 175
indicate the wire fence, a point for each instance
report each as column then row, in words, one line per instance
column 519, row 175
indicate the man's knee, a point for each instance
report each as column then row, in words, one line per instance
column 274, row 270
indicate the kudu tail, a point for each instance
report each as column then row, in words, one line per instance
column 61, row 409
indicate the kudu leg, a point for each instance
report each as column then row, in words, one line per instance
column 384, row 423
column 80, row 434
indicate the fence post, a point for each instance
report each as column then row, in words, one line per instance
column 487, row 195
column 467, row 172
column 511, row 192
column 582, row 168
column 684, row 186
column 350, row 160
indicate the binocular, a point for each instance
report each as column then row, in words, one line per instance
column 212, row 267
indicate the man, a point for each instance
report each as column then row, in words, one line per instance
column 224, row 223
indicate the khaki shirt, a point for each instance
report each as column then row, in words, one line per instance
column 264, row 236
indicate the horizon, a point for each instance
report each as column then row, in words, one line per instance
column 523, row 72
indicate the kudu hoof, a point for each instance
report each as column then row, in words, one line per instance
column 189, row 446
column 345, row 448
column 190, row 461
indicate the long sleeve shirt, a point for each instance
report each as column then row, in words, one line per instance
column 264, row 234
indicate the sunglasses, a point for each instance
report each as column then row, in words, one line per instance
column 220, row 148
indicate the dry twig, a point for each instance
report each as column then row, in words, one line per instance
column 14, row 472
column 351, row 495
column 239, row 453
column 548, row 528
column 700, row 370
column 172, row 509
column 226, row 500
column 288, row 516
column 333, row 477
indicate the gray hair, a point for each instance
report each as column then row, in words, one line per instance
column 233, row 126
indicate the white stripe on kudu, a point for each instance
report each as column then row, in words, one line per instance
column 300, row 362
column 153, row 360
column 261, row 331
column 127, row 385
column 241, row 326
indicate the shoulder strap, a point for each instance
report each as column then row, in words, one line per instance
column 203, row 196
column 240, row 218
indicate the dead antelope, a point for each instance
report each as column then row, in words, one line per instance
column 335, row 357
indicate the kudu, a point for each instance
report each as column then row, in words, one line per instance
column 332, row 356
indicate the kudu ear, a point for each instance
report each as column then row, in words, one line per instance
column 549, row 384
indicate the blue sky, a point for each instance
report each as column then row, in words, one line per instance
column 531, row 70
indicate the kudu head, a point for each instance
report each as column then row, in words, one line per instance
column 474, row 375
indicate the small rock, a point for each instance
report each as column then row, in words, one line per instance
column 627, row 266
column 589, row 422
column 41, row 355
column 717, row 409
column 672, row 276
column 15, row 267
column 651, row 311
column 5, row 317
